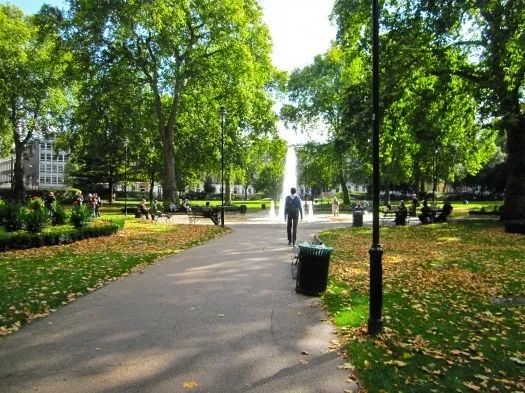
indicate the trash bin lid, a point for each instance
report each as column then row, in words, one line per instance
column 315, row 249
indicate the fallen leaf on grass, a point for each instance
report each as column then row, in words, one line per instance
column 190, row 385
column 471, row 386
column 517, row 360
column 398, row 363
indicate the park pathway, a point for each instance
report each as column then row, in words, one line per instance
column 221, row 317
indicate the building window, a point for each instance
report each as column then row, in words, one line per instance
column 42, row 156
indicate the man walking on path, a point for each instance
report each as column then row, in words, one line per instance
column 292, row 208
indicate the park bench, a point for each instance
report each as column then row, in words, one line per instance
column 198, row 212
column 388, row 216
column 166, row 216
column 129, row 209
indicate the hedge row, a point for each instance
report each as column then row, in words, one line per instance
column 62, row 235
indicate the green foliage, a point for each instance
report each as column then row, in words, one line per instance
column 165, row 69
column 36, row 218
column 81, row 216
column 32, row 65
column 58, row 214
column 452, row 77
column 14, row 217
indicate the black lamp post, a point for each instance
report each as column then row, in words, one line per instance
column 126, row 176
column 375, row 322
column 223, row 119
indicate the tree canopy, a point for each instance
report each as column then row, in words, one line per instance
column 194, row 57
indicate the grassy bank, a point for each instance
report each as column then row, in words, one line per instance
column 35, row 282
column 453, row 316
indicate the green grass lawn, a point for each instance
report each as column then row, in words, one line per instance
column 35, row 282
column 450, row 323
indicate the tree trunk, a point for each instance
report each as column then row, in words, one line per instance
column 387, row 192
column 111, row 186
column 344, row 188
column 151, row 187
column 417, row 178
column 19, row 190
column 514, row 207
column 168, row 171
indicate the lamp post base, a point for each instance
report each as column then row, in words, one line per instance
column 375, row 326
column 375, row 322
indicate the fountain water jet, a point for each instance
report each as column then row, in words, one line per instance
column 271, row 213
column 290, row 178
column 310, row 216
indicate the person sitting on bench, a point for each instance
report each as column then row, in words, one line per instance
column 445, row 212
column 401, row 214
column 208, row 211
column 142, row 209
column 427, row 215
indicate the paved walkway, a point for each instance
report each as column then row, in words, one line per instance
column 221, row 317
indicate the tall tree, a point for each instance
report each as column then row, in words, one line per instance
column 179, row 48
column 471, row 48
column 316, row 93
column 497, row 50
column 426, row 116
column 32, row 64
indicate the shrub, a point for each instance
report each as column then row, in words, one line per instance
column 36, row 203
column 14, row 217
column 58, row 235
column 36, row 219
column 81, row 216
column 58, row 215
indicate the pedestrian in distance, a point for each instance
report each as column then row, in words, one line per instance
column 335, row 207
column 292, row 208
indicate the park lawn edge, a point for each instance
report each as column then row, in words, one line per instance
column 451, row 338
column 40, row 299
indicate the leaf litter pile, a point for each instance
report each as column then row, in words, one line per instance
column 453, row 307
column 36, row 281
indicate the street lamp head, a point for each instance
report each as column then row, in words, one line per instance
column 223, row 111
column 126, row 142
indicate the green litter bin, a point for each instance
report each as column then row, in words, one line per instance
column 312, row 269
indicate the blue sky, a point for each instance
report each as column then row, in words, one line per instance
column 32, row 6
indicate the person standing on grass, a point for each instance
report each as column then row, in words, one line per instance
column 292, row 207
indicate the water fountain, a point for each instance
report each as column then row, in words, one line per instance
column 290, row 178
column 310, row 216
column 271, row 213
